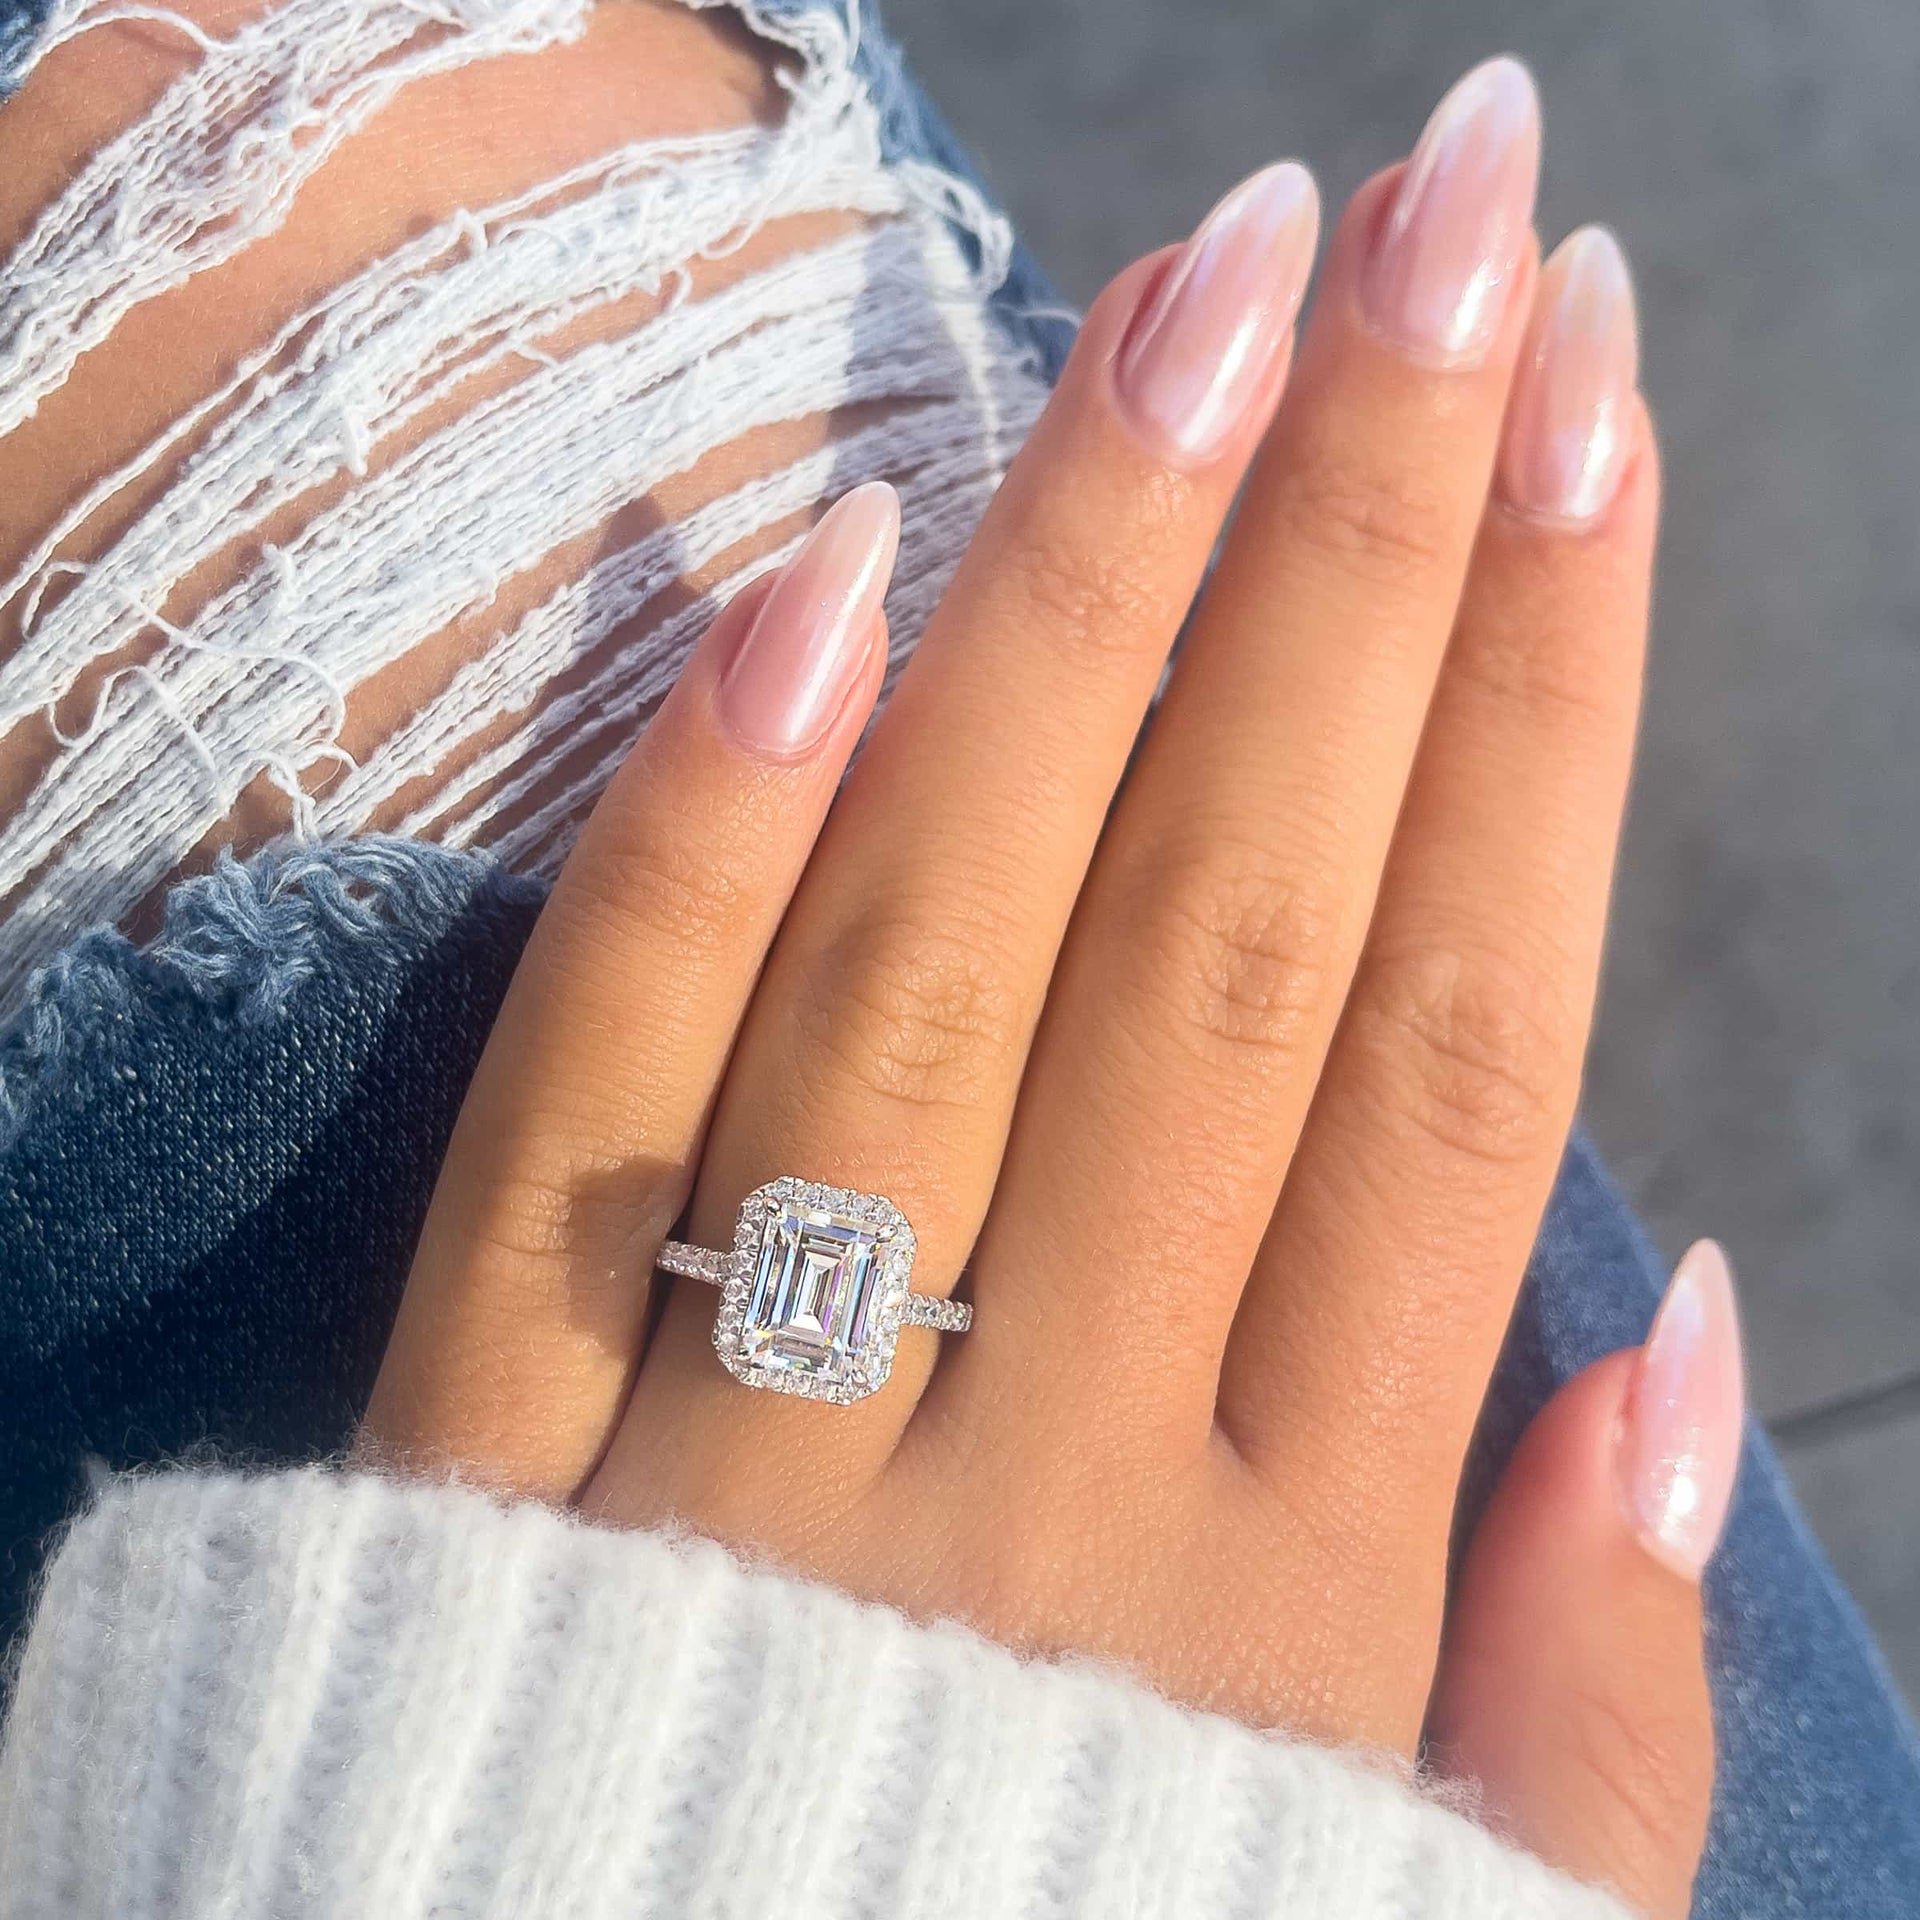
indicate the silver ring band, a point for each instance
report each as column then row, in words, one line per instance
column 814, row 1292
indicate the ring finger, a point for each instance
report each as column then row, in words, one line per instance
column 576, row 1144
column 886, row 1043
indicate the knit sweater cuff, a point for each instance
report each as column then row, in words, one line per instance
column 315, row 1696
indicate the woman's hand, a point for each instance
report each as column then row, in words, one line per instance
column 1238, row 1099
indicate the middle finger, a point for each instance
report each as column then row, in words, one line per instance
column 1205, row 971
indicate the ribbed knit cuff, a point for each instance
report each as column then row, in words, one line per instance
column 320, row 1697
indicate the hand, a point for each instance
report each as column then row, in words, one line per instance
column 1238, row 1098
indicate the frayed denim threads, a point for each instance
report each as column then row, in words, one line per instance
column 238, row 944
column 20, row 24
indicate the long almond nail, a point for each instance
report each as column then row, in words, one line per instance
column 1679, row 1446
column 1203, row 350
column 1447, row 256
column 1568, row 428
column 796, row 664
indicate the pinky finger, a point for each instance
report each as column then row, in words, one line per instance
column 1572, row 1689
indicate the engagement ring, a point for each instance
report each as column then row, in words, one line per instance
column 814, row 1293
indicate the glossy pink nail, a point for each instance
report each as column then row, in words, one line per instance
column 1679, row 1443
column 1569, row 426
column 1448, row 254
column 794, row 667
column 1203, row 349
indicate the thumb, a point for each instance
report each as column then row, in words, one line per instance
column 1572, row 1687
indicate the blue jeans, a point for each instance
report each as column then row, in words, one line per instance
column 215, row 1153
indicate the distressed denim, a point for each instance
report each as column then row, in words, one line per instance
column 215, row 1153
column 20, row 20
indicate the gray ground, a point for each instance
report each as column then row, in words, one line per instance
column 1757, row 1073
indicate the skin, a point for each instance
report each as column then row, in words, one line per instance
column 1251, row 1083
column 1309, row 1003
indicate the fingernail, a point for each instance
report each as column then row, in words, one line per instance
column 1567, row 431
column 795, row 665
column 1445, row 260
column 1679, row 1447
column 1203, row 349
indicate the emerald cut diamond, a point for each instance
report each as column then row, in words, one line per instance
column 816, row 1291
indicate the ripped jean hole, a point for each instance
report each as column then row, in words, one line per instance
column 890, row 320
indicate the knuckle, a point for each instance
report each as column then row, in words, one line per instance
column 1548, row 678
column 1652, row 1778
column 659, row 890
column 916, row 1017
column 557, row 1234
column 1089, row 604
column 1383, row 527
column 551, row 1207
column 1247, row 951
column 1474, row 1052
column 528, row 1219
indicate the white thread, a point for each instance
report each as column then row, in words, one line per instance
column 381, row 350
column 514, row 748
column 217, row 163
column 76, row 20
column 612, row 707
column 927, row 453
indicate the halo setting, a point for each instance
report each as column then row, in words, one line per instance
column 815, row 1291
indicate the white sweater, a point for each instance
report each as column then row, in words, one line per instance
column 318, row 1697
